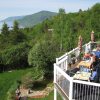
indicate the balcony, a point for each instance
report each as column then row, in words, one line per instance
column 68, row 87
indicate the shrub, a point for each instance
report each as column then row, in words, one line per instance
column 43, row 55
column 15, row 57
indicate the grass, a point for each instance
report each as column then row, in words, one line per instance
column 49, row 97
column 8, row 82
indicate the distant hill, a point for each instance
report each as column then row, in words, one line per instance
column 28, row 20
column 10, row 20
column 31, row 20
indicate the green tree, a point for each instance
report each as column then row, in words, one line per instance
column 95, row 17
column 15, row 26
column 5, row 29
column 59, row 26
column 43, row 55
column 17, row 35
column 61, row 11
column 4, row 36
column 15, row 57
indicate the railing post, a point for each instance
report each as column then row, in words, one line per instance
column 55, row 90
column 71, row 90
column 55, row 94
column 56, row 60
column 90, row 45
column 54, row 73
column 66, row 66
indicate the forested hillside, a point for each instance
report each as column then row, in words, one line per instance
column 31, row 20
column 28, row 20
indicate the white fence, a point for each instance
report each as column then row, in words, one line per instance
column 85, row 90
column 74, row 89
column 63, row 81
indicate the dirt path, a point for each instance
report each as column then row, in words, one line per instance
column 36, row 94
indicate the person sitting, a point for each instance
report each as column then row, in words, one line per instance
column 93, row 60
column 84, row 69
column 98, row 47
column 97, row 52
column 86, row 56
column 93, row 77
column 98, row 71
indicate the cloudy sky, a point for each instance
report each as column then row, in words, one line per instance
column 23, row 7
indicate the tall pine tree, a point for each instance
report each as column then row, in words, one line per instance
column 5, row 29
column 17, row 35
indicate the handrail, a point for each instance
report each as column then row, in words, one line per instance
column 86, row 83
column 63, row 73
column 62, row 60
column 68, row 53
column 63, row 56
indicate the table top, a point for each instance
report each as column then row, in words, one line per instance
column 82, row 76
column 84, row 63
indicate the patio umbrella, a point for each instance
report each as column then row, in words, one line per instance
column 80, row 43
column 92, row 36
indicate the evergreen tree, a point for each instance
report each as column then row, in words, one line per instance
column 5, row 29
column 17, row 35
column 15, row 26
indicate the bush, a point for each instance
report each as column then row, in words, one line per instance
column 43, row 55
column 15, row 57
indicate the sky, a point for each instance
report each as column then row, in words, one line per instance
column 10, row 8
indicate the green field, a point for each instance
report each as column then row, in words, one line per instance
column 8, row 82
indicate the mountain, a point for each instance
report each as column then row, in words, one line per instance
column 31, row 20
column 28, row 20
column 10, row 20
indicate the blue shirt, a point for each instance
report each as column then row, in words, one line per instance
column 97, row 53
column 94, row 74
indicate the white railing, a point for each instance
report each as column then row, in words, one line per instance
column 64, row 60
column 74, row 89
column 63, row 81
column 85, row 90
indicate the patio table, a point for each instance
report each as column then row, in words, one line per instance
column 82, row 76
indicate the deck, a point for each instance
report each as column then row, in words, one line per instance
column 69, row 88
